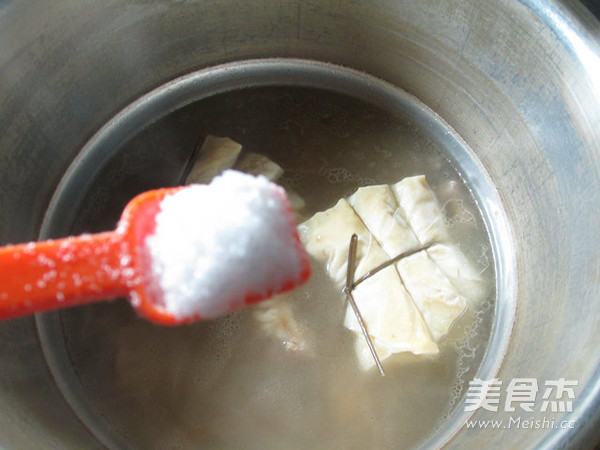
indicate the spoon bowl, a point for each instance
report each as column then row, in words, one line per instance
column 41, row 276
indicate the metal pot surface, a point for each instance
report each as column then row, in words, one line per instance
column 517, row 81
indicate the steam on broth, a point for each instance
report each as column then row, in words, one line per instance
column 229, row 384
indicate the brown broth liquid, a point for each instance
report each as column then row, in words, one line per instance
column 225, row 383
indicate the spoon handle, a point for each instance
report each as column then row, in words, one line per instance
column 40, row 276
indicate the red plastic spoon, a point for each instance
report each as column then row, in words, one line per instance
column 41, row 276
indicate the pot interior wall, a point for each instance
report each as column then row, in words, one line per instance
column 331, row 130
column 515, row 80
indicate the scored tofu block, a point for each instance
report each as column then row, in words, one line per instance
column 391, row 317
column 276, row 318
column 408, row 306
column 393, row 320
column 459, row 270
column 297, row 204
column 378, row 209
column 436, row 297
column 421, row 209
column 256, row 164
column 218, row 154
column 215, row 155
column 326, row 236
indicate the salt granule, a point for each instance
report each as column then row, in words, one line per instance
column 213, row 244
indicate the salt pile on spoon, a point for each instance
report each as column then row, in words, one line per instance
column 239, row 245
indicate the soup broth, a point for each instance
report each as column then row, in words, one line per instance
column 227, row 384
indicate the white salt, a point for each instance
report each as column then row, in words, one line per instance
column 216, row 243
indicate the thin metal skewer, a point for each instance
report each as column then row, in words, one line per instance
column 348, row 291
column 388, row 263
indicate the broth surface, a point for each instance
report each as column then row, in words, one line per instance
column 225, row 383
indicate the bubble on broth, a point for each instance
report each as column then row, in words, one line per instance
column 468, row 345
column 484, row 258
column 341, row 175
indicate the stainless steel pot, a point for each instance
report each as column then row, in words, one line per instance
column 519, row 82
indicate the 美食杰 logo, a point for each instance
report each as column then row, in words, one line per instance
column 522, row 395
